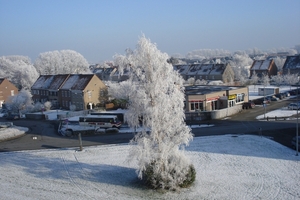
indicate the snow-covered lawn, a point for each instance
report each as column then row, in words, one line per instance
column 228, row 167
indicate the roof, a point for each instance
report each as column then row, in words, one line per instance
column 204, row 89
column 49, row 82
column 77, row 81
column 1, row 80
column 261, row 64
column 182, row 69
column 201, row 69
column 292, row 62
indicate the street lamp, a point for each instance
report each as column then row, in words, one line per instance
column 297, row 121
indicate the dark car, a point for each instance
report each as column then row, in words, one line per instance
column 280, row 95
column 13, row 117
column 249, row 104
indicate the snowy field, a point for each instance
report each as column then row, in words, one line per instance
column 228, row 167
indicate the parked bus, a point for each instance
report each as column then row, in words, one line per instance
column 87, row 125
column 102, row 121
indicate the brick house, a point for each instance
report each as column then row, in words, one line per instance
column 7, row 89
column 82, row 90
column 209, row 72
column 263, row 67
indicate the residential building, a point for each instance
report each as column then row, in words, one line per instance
column 291, row 65
column 263, row 67
column 84, row 91
column 7, row 90
column 209, row 72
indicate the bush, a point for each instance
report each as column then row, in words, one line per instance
column 170, row 182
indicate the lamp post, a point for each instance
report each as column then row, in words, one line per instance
column 264, row 103
column 297, row 121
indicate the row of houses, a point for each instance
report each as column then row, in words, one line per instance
column 84, row 91
column 213, row 71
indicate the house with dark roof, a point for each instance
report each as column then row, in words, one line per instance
column 209, row 72
column 291, row 65
column 263, row 67
column 46, row 88
column 7, row 90
column 81, row 90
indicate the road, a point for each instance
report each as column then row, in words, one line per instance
column 43, row 134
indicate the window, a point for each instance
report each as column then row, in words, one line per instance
column 12, row 93
column 195, row 106
column 230, row 103
column 240, row 97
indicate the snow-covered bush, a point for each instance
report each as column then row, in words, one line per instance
column 72, row 107
column 47, row 105
column 19, row 102
column 38, row 107
column 156, row 103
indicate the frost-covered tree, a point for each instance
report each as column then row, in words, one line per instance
column 191, row 81
column 47, row 105
column 19, row 102
column 240, row 64
column 61, row 62
column 277, row 80
column 201, row 82
column 291, row 79
column 279, row 61
column 254, row 78
column 19, row 70
column 119, row 90
column 207, row 53
column 265, row 80
column 156, row 102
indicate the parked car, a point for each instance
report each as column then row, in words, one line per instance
column 294, row 142
column 13, row 116
column 273, row 98
column 287, row 94
column 280, row 95
column 249, row 104
column 293, row 106
column 259, row 101
column 3, row 113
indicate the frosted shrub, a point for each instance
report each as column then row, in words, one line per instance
column 72, row 107
column 38, row 106
column 47, row 105
column 156, row 102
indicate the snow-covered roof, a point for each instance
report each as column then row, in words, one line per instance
column 49, row 82
column 261, row 64
column 292, row 62
column 204, row 89
column 77, row 81
column 217, row 69
column 182, row 69
column 200, row 69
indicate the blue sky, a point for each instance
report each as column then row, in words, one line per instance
column 99, row 29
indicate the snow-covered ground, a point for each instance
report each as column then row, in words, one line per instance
column 228, row 167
